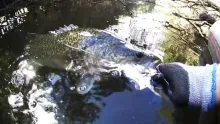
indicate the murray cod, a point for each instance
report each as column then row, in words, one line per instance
column 85, row 51
column 78, row 64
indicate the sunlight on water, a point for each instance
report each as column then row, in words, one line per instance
column 77, row 73
column 10, row 23
column 145, row 28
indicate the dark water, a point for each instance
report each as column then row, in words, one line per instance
column 139, row 107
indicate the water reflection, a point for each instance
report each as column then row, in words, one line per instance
column 75, row 95
column 60, row 101
column 94, row 79
column 70, row 106
column 47, row 16
column 67, row 104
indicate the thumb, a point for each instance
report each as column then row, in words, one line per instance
column 160, row 80
column 173, row 96
column 173, row 73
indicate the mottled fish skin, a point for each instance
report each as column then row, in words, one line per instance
column 102, row 46
column 108, row 47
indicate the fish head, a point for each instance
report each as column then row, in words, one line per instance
column 106, row 46
column 121, row 59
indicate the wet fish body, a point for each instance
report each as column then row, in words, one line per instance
column 91, row 50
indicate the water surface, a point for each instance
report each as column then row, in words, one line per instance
column 111, row 100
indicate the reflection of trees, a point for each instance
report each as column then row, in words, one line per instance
column 75, row 107
column 84, row 13
column 52, row 14
column 79, row 110
column 85, row 108
column 110, row 85
column 10, row 21
column 45, row 16
column 48, row 15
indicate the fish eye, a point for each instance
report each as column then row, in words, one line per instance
column 82, row 88
column 115, row 73
column 139, row 54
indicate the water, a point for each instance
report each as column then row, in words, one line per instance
column 52, row 93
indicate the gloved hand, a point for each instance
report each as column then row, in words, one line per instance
column 188, row 85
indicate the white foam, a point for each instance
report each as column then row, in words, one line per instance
column 16, row 100
column 44, row 117
column 38, row 100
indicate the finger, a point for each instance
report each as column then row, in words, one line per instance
column 172, row 73
column 176, row 76
column 167, row 70
column 159, row 79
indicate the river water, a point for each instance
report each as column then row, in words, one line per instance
column 115, row 103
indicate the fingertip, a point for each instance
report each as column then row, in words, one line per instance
column 161, row 67
column 157, row 77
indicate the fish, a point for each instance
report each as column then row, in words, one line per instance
column 78, row 69
column 66, row 49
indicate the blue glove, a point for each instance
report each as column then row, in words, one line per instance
column 188, row 85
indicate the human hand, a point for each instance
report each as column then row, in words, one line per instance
column 188, row 85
